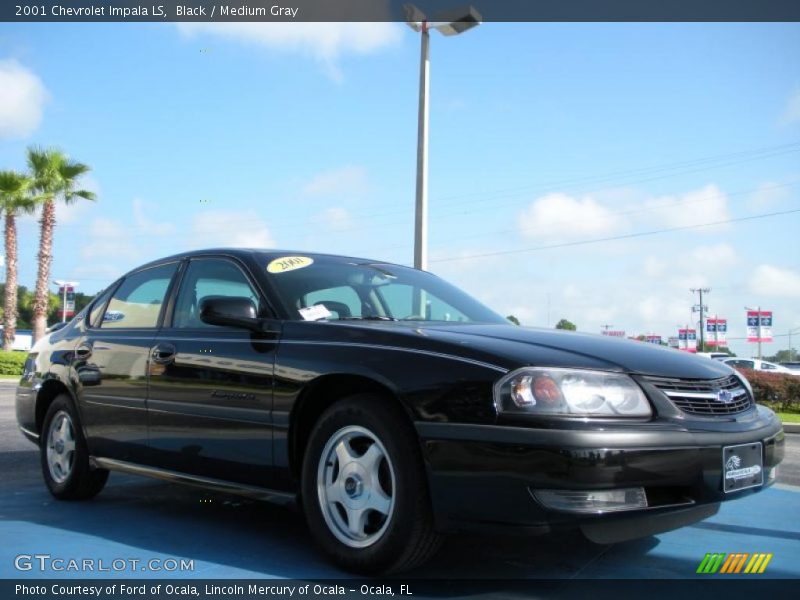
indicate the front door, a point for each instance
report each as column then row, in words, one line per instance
column 210, row 397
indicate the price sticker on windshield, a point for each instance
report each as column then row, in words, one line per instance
column 288, row 263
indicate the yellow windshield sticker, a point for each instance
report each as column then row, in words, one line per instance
column 288, row 263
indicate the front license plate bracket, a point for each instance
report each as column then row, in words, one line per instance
column 742, row 467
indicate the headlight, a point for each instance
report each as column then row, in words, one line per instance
column 570, row 392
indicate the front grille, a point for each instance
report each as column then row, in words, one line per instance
column 708, row 397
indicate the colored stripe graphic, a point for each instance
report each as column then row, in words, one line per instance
column 710, row 563
column 734, row 563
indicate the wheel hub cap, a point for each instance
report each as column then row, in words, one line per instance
column 355, row 486
column 60, row 451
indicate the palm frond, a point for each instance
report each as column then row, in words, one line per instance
column 72, row 170
column 15, row 191
column 72, row 195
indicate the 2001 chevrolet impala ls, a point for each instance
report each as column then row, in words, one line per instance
column 393, row 406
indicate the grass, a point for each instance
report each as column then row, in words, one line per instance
column 10, row 377
column 789, row 417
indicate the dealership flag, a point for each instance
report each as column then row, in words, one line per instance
column 717, row 332
column 687, row 340
column 753, row 318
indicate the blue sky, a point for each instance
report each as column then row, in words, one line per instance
column 303, row 136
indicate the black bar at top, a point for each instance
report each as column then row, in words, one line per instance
column 392, row 10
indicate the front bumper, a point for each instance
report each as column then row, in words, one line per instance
column 482, row 477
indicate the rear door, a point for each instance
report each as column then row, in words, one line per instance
column 210, row 394
column 111, row 362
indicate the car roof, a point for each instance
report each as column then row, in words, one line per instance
column 264, row 254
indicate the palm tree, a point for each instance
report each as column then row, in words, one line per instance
column 54, row 177
column 14, row 199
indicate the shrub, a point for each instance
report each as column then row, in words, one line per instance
column 779, row 391
column 11, row 363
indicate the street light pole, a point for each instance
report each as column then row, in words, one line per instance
column 452, row 22
column 791, row 350
column 421, row 207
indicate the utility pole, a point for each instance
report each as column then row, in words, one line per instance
column 791, row 350
column 701, row 308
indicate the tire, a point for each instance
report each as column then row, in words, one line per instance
column 65, row 456
column 359, row 440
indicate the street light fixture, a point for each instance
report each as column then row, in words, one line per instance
column 450, row 22
column 64, row 285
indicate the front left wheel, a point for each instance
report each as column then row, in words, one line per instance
column 364, row 489
column 65, row 456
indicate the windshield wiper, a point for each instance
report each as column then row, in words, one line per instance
column 367, row 318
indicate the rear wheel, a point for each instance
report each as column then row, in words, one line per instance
column 64, row 455
column 364, row 488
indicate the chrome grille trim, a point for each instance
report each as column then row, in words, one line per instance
column 700, row 396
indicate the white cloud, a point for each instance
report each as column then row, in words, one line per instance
column 242, row 229
column 335, row 218
column 654, row 267
column 708, row 204
column 146, row 224
column 324, row 42
column 768, row 195
column 348, row 181
column 792, row 112
column 769, row 280
column 560, row 216
column 22, row 98
column 108, row 238
column 714, row 257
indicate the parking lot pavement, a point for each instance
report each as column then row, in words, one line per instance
column 230, row 537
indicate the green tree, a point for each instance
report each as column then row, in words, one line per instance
column 782, row 356
column 513, row 319
column 55, row 177
column 14, row 200
column 567, row 325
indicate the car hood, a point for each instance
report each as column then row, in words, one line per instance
column 512, row 346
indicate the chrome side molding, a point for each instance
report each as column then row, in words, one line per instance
column 218, row 485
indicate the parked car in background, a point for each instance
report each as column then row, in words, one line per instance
column 392, row 406
column 23, row 339
column 758, row 365
column 714, row 355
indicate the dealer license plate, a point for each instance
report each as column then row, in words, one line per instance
column 742, row 467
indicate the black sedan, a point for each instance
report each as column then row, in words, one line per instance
column 392, row 406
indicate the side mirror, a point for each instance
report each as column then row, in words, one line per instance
column 230, row 311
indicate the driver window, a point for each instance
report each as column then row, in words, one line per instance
column 209, row 277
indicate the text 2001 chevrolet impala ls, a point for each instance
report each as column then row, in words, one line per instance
column 392, row 405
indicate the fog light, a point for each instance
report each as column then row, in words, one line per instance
column 595, row 501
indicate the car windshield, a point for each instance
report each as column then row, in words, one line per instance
column 330, row 289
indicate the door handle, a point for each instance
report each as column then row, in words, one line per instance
column 163, row 354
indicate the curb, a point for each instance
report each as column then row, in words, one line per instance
column 791, row 427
